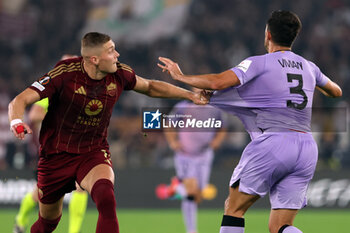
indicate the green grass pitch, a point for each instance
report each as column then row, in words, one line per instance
column 170, row 221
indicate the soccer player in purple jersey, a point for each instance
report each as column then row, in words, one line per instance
column 82, row 92
column 194, row 153
column 277, row 89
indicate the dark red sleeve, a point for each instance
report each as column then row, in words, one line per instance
column 128, row 76
column 50, row 83
column 130, row 81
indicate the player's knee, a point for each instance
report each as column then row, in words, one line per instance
column 102, row 194
column 232, row 209
column 191, row 185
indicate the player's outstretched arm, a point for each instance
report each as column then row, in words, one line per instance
column 331, row 89
column 160, row 89
column 206, row 81
column 16, row 110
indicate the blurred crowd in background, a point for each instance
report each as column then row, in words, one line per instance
column 203, row 36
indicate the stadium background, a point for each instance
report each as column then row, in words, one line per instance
column 203, row 36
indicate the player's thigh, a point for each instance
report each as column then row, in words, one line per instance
column 290, row 191
column 195, row 167
column 238, row 202
column 55, row 178
column 281, row 217
column 96, row 165
column 182, row 166
column 51, row 211
column 204, row 169
column 101, row 171
column 257, row 166
column 191, row 185
column 200, row 177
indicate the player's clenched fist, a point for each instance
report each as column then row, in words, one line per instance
column 19, row 128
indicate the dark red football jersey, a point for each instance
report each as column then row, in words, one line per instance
column 80, row 108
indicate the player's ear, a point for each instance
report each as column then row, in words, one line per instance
column 268, row 34
column 94, row 60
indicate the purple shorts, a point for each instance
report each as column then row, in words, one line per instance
column 198, row 167
column 281, row 163
column 57, row 173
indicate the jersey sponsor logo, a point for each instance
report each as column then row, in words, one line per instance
column 90, row 121
column 44, row 80
column 244, row 65
column 112, row 89
column 151, row 119
column 38, row 86
column 94, row 107
column 80, row 90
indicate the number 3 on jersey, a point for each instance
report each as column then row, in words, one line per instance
column 297, row 90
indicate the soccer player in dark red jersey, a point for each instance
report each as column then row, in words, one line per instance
column 82, row 92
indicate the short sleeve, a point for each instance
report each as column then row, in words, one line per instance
column 321, row 79
column 249, row 68
column 50, row 83
column 128, row 76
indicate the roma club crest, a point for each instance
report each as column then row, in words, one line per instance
column 112, row 89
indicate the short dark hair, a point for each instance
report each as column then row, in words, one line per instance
column 93, row 39
column 284, row 27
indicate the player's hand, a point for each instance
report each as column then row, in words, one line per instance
column 171, row 67
column 200, row 98
column 207, row 94
column 20, row 129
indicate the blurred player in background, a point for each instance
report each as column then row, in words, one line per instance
column 194, row 153
column 278, row 88
column 79, row 198
column 73, row 137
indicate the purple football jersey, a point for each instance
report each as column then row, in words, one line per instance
column 274, row 96
column 277, row 88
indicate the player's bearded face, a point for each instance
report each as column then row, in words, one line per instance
column 108, row 58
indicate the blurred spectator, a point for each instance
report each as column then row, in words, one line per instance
column 5, row 134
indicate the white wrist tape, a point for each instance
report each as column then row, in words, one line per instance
column 15, row 122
